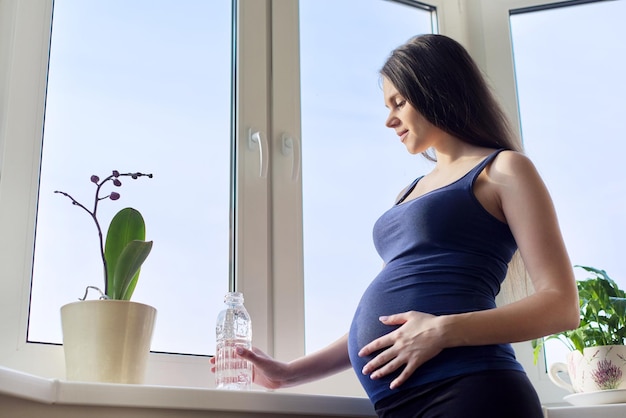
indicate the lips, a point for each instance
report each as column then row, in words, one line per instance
column 403, row 135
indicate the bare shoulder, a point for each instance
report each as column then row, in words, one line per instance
column 512, row 167
column 512, row 162
column 516, row 180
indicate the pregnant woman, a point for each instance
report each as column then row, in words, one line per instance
column 427, row 339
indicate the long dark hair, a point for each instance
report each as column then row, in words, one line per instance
column 437, row 76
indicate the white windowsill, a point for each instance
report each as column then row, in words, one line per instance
column 15, row 384
column 23, row 386
column 597, row 411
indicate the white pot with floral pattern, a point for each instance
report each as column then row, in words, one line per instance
column 595, row 369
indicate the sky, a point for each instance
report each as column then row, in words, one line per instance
column 104, row 112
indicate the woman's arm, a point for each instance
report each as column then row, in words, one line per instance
column 554, row 306
column 274, row 374
column 526, row 204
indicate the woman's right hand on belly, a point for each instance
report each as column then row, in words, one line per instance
column 410, row 345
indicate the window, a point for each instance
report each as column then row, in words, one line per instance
column 196, row 130
column 133, row 90
column 568, row 66
column 352, row 166
column 282, row 223
column 128, row 102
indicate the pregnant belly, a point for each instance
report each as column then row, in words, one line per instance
column 390, row 293
column 436, row 293
column 379, row 300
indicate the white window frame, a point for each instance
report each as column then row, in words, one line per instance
column 24, row 52
column 24, row 31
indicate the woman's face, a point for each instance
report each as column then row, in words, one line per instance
column 414, row 130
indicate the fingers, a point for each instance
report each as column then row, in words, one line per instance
column 241, row 352
column 396, row 319
column 266, row 371
column 377, row 344
column 254, row 355
column 406, row 373
column 385, row 340
column 402, row 350
column 387, row 363
column 380, row 367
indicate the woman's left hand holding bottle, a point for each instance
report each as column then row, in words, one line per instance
column 266, row 371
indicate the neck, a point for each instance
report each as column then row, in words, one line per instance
column 455, row 151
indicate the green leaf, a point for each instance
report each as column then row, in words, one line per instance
column 619, row 306
column 537, row 345
column 602, row 313
column 577, row 339
column 126, row 226
column 128, row 267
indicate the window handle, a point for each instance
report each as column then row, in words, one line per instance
column 292, row 147
column 256, row 139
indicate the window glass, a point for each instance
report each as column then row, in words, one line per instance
column 138, row 86
column 352, row 165
column 569, row 65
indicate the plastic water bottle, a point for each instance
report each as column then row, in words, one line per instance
column 233, row 329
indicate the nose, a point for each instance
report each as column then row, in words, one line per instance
column 391, row 120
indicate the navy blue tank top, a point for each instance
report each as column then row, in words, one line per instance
column 444, row 254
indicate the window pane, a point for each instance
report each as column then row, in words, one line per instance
column 569, row 66
column 138, row 86
column 352, row 166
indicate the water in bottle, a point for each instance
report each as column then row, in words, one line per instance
column 233, row 329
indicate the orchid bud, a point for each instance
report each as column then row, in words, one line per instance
column 114, row 196
column 117, row 183
column 95, row 179
column 134, row 175
column 116, row 173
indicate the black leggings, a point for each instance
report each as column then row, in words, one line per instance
column 490, row 394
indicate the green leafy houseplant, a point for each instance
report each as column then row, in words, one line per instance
column 125, row 248
column 602, row 315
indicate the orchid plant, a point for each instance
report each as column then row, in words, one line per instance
column 125, row 249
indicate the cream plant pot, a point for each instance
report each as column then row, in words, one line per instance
column 107, row 340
